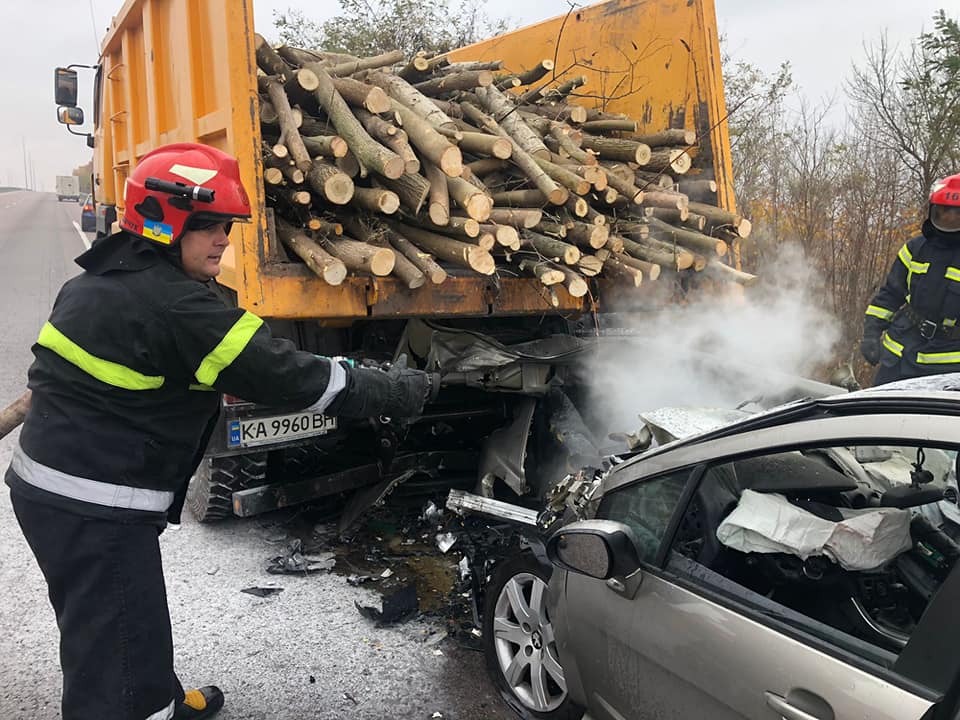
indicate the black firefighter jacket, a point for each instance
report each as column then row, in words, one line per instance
column 918, row 307
column 127, row 381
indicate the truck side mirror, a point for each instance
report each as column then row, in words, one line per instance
column 65, row 87
column 70, row 115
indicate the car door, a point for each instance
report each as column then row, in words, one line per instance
column 689, row 643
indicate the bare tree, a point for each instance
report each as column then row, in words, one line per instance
column 909, row 103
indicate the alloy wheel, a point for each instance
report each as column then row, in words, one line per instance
column 525, row 646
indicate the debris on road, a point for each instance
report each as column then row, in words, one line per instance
column 445, row 541
column 398, row 605
column 262, row 591
column 296, row 562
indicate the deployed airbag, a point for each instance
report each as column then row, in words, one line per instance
column 769, row 523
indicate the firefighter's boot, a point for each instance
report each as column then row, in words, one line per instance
column 202, row 703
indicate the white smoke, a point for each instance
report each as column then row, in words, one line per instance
column 716, row 353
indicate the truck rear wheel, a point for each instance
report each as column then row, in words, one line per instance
column 210, row 496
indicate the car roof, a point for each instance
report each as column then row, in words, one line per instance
column 934, row 395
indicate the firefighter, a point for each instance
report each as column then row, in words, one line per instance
column 126, row 382
column 911, row 326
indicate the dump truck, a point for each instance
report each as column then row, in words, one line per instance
column 68, row 188
column 176, row 71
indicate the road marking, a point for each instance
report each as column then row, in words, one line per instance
column 82, row 234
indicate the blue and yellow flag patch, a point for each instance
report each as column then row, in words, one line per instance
column 158, row 231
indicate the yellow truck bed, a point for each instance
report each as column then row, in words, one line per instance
column 184, row 70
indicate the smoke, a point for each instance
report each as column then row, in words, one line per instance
column 715, row 352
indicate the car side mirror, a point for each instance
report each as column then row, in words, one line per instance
column 65, row 87
column 70, row 115
column 601, row 549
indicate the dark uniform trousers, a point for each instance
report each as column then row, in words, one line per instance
column 105, row 582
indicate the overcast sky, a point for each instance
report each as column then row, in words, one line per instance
column 821, row 38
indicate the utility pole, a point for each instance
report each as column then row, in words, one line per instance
column 23, row 146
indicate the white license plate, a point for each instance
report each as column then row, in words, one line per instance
column 262, row 431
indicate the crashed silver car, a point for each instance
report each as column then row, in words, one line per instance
column 797, row 563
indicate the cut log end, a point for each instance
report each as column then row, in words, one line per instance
column 338, row 189
column 339, row 147
column 382, row 262
column 744, row 228
column 479, row 207
column 377, row 100
column 451, row 162
column 481, row 261
column 388, row 202
column 599, row 235
column 577, row 287
column 439, row 214
column 272, row 176
column 508, row 236
column 471, row 227
column 334, row 273
column 558, row 196
column 502, row 149
column 394, row 167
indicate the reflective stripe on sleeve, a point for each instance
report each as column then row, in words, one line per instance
column 105, row 371
column 905, row 256
column 228, row 349
column 945, row 358
column 879, row 312
column 913, row 268
column 336, row 383
column 892, row 345
column 952, row 274
column 86, row 490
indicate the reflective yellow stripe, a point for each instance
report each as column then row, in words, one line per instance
column 105, row 371
column 950, row 322
column 913, row 268
column 952, row 274
column 892, row 345
column 877, row 311
column 938, row 358
column 226, row 352
column 201, row 388
column 905, row 257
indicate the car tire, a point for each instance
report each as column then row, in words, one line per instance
column 210, row 495
column 519, row 645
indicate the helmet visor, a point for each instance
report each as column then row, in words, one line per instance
column 945, row 218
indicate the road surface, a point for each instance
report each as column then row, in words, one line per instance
column 302, row 653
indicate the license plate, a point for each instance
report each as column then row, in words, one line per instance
column 262, row 431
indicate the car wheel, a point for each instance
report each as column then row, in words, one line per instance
column 519, row 644
column 210, row 495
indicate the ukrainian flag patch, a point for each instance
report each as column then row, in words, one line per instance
column 158, row 231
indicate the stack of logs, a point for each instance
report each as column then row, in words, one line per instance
column 415, row 169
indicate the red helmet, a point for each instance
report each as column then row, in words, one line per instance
column 176, row 185
column 945, row 204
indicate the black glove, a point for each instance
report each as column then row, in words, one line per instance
column 872, row 348
column 397, row 392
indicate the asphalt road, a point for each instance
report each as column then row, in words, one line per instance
column 302, row 653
